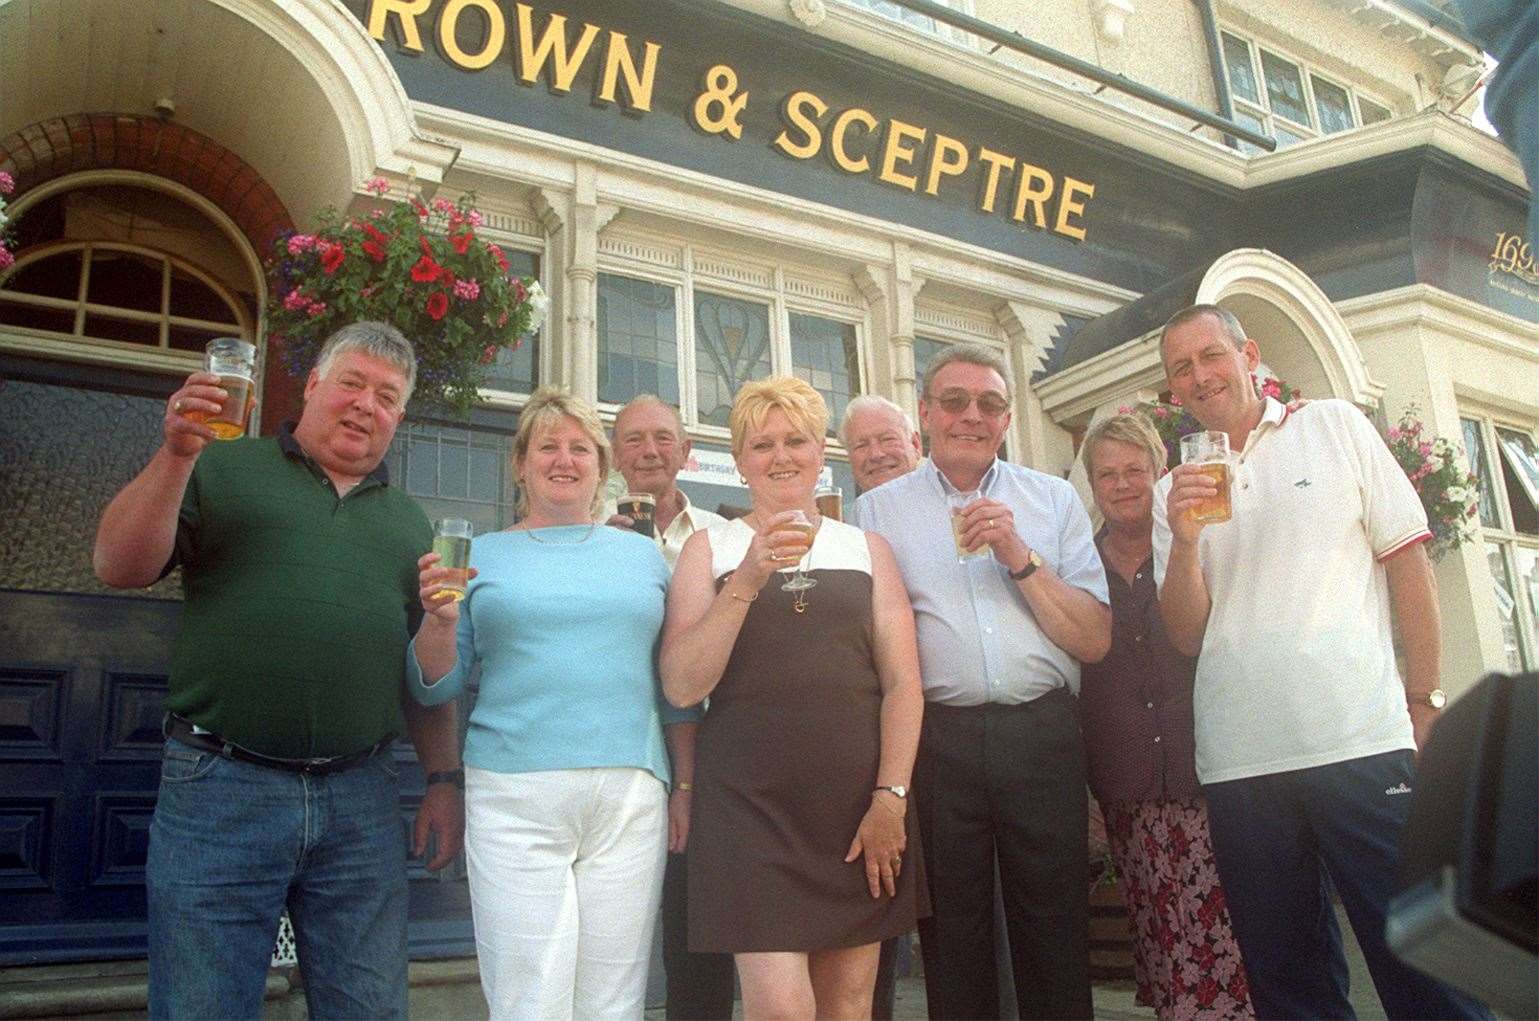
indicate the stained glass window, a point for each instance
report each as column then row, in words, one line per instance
column 1242, row 76
column 1284, row 88
column 638, row 346
column 732, row 347
column 1332, row 104
column 824, row 353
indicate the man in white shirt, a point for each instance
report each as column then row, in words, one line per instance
column 1306, row 735
column 651, row 448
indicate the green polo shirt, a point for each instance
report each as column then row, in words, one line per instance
column 298, row 606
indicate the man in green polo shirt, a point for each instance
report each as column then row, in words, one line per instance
column 278, row 787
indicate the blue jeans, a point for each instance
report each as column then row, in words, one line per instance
column 232, row 844
column 1281, row 842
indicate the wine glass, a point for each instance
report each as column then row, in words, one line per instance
column 799, row 582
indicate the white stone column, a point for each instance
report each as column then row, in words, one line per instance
column 573, row 222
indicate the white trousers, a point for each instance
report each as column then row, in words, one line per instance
column 566, row 872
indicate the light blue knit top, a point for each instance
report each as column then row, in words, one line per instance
column 566, row 635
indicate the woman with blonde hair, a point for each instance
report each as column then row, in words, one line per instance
column 802, row 849
column 1136, row 715
column 566, row 774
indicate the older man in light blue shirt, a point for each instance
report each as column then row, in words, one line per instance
column 1001, row 636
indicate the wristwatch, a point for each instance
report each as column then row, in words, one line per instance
column 1436, row 698
column 454, row 776
column 1033, row 561
column 898, row 789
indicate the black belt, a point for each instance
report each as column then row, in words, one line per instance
column 180, row 730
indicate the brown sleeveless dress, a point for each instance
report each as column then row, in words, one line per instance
column 785, row 765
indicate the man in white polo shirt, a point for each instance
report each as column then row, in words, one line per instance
column 650, row 450
column 1306, row 735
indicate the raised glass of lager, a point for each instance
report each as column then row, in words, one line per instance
column 802, row 525
column 451, row 541
column 958, row 502
column 234, row 362
column 641, row 508
column 830, row 501
column 1209, row 450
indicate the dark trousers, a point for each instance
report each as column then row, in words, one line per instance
column 1281, row 842
column 699, row 985
column 1007, row 782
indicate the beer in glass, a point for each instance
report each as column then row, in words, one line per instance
column 1209, row 450
column 830, row 501
column 641, row 508
column 234, row 362
column 957, row 502
column 799, row 582
column 451, row 541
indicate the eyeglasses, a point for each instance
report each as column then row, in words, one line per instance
column 990, row 405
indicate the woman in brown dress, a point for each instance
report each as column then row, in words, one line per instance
column 802, row 854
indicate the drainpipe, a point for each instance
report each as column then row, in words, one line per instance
column 1216, row 66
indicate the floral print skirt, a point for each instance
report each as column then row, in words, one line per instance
column 1185, row 957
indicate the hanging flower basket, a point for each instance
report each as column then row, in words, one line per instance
column 7, row 258
column 419, row 266
column 1449, row 494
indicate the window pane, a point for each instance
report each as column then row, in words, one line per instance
column 1372, row 112
column 57, row 276
column 188, row 338
column 133, row 331
column 891, row 10
column 924, row 350
column 731, row 348
column 516, row 370
column 823, row 352
column 1480, row 467
column 1506, row 606
column 638, row 346
column 1285, row 137
column 33, row 318
column 1522, row 477
column 1284, row 87
column 126, row 280
column 191, row 297
column 1332, row 104
column 1250, row 120
column 1528, row 604
column 1242, row 75
column 459, row 473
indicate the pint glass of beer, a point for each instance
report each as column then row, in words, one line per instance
column 830, row 501
column 451, row 541
column 1210, row 451
column 234, row 362
column 641, row 508
column 957, row 502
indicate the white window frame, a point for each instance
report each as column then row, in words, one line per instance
column 1503, row 536
column 1307, row 73
column 783, row 288
column 518, row 233
column 947, row 32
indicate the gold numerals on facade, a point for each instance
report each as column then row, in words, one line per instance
column 1514, row 255
column 913, row 158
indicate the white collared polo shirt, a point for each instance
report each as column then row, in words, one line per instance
column 1297, row 668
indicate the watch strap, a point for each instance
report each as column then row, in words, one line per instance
column 1033, row 561
column 454, row 776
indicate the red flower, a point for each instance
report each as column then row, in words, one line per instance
column 502, row 260
column 374, row 250
column 437, row 305
column 375, row 233
column 461, row 241
column 426, row 270
column 331, row 258
column 422, row 211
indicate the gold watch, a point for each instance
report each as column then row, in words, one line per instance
column 1436, row 698
column 1033, row 561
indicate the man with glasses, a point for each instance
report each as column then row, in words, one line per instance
column 1001, row 767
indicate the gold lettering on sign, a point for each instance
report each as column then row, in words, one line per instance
column 795, row 110
column 1068, row 206
column 719, row 104
column 496, row 30
column 617, row 61
column 840, row 132
column 406, row 14
column 532, row 56
column 1033, row 187
column 894, row 151
column 1514, row 255
column 997, row 161
column 948, row 157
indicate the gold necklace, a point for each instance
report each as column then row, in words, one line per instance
column 545, row 542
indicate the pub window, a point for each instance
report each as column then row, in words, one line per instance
column 914, row 19
column 518, row 371
column 1505, row 460
column 455, row 472
column 925, row 351
column 1285, row 98
column 694, row 338
column 126, row 264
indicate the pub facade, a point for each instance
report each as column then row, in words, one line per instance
column 712, row 191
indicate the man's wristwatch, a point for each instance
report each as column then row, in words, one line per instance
column 454, row 776
column 1033, row 561
column 1436, row 698
column 898, row 789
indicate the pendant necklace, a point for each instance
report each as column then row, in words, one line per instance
column 546, row 542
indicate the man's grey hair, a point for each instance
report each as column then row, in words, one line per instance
column 971, row 354
column 872, row 402
column 378, row 340
column 644, row 399
column 1226, row 319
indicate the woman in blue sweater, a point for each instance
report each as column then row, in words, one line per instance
column 566, row 771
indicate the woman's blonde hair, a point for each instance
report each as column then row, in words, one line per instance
column 1135, row 430
column 801, row 403
column 546, row 408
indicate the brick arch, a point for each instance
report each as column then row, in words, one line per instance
column 105, row 141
